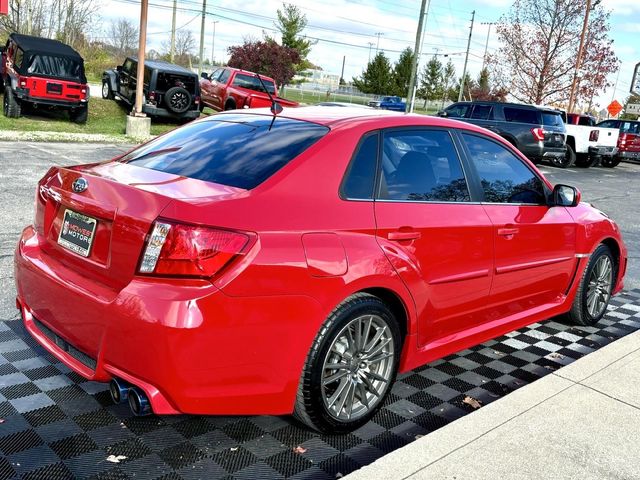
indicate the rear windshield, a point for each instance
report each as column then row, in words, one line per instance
column 630, row 127
column 52, row 66
column 236, row 150
column 552, row 119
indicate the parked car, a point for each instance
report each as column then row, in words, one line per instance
column 43, row 73
column 169, row 90
column 628, row 141
column 590, row 144
column 389, row 103
column 406, row 238
column 230, row 88
column 538, row 132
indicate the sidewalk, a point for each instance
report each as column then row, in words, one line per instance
column 582, row 422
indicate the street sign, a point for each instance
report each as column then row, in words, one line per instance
column 632, row 108
column 4, row 7
column 635, row 82
column 614, row 108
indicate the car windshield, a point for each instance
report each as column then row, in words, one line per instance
column 236, row 150
column 552, row 119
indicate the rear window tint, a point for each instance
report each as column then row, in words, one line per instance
column 552, row 119
column 481, row 112
column 521, row 115
column 236, row 150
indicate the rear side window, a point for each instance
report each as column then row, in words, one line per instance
column 358, row 182
column 237, row 150
column 17, row 61
column 552, row 119
column 521, row 115
column 588, row 121
column 630, row 127
column 481, row 112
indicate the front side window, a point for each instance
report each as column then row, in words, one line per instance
column 504, row 177
column 224, row 76
column 360, row 176
column 457, row 111
column 128, row 65
column 421, row 165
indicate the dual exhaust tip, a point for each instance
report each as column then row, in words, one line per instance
column 122, row 391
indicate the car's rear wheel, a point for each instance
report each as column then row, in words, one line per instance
column 351, row 366
column 79, row 115
column 595, row 288
column 11, row 105
column 230, row 105
column 177, row 99
column 107, row 94
column 610, row 162
column 583, row 160
column 566, row 161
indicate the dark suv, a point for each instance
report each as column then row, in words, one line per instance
column 40, row 72
column 537, row 132
column 169, row 90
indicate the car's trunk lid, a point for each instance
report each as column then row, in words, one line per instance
column 115, row 212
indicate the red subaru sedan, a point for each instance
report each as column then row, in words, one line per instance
column 253, row 264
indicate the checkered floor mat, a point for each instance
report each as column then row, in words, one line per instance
column 56, row 425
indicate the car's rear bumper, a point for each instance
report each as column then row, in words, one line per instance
column 24, row 96
column 163, row 112
column 189, row 346
column 629, row 155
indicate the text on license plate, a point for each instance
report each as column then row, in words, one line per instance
column 77, row 232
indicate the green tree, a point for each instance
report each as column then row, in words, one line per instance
column 377, row 78
column 402, row 73
column 630, row 116
column 291, row 22
column 448, row 80
column 431, row 81
column 483, row 90
column 469, row 84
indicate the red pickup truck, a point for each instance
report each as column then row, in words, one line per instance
column 230, row 88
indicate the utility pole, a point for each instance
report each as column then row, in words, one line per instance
column 572, row 94
column 344, row 59
column 466, row 58
column 378, row 34
column 172, row 50
column 204, row 12
column 213, row 44
column 486, row 45
column 371, row 44
column 416, row 54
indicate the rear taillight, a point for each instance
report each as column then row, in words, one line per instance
column 594, row 135
column 538, row 134
column 622, row 140
column 197, row 100
column 23, row 83
column 152, row 97
column 180, row 250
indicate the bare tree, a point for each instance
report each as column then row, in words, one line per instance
column 185, row 46
column 539, row 48
column 122, row 35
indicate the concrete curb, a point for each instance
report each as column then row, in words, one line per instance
column 417, row 457
column 39, row 136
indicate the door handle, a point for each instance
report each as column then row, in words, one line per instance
column 507, row 232
column 400, row 236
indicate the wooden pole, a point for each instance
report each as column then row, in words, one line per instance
column 142, row 45
column 572, row 94
column 414, row 63
column 204, row 12
column 466, row 59
column 172, row 49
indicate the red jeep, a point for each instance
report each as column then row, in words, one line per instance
column 43, row 72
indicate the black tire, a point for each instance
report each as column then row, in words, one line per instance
column 107, row 93
column 579, row 313
column 177, row 99
column 566, row 161
column 610, row 162
column 230, row 105
column 583, row 160
column 310, row 407
column 79, row 115
column 11, row 105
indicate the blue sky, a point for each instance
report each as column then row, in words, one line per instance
column 355, row 28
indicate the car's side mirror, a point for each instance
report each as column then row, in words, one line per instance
column 566, row 196
column 204, row 75
column 443, row 114
column 119, row 68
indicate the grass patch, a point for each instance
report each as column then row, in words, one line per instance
column 107, row 117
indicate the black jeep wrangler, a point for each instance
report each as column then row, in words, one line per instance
column 40, row 72
column 169, row 90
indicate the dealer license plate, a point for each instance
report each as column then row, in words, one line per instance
column 77, row 232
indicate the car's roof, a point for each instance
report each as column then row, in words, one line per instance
column 31, row 44
column 342, row 116
column 247, row 72
column 166, row 66
column 510, row 104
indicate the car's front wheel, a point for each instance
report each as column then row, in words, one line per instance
column 351, row 366
column 595, row 288
column 107, row 94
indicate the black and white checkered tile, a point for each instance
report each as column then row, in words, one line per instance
column 55, row 425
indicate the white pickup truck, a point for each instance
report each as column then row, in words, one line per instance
column 590, row 144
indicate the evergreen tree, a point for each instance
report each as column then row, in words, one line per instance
column 291, row 22
column 402, row 73
column 469, row 84
column 377, row 78
column 448, row 79
column 431, row 81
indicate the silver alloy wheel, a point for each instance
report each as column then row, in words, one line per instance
column 105, row 90
column 358, row 368
column 599, row 287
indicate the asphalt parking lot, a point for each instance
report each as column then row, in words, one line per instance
column 56, row 425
